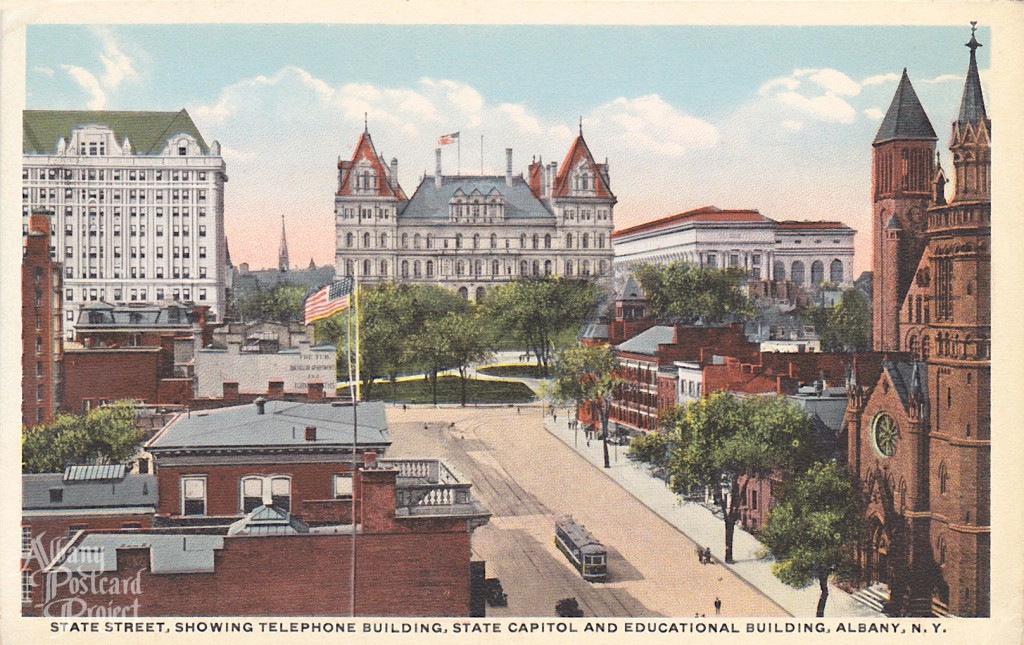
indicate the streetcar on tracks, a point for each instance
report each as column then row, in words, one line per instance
column 581, row 549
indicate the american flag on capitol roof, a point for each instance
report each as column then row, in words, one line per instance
column 448, row 138
column 329, row 300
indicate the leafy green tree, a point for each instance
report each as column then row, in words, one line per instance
column 813, row 530
column 392, row 325
column 103, row 435
column 845, row 327
column 719, row 439
column 542, row 314
column 585, row 376
column 456, row 340
column 283, row 303
column 680, row 292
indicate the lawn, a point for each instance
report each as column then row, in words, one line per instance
column 514, row 371
column 418, row 391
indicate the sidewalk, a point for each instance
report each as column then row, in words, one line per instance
column 700, row 525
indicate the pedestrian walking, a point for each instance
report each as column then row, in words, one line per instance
column 700, row 554
column 707, row 555
column 718, row 605
column 518, row 409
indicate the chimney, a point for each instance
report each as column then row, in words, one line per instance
column 369, row 460
column 260, row 403
column 508, row 166
column 437, row 170
column 310, row 433
column 394, row 171
column 39, row 222
column 275, row 390
column 314, row 392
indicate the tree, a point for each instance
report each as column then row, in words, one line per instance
column 845, row 327
column 283, row 303
column 585, row 375
column 456, row 340
column 392, row 325
column 683, row 293
column 103, row 435
column 814, row 528
column 542, row 314
column 719, row 439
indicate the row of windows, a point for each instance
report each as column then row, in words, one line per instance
column 253, row 491
column 364, row 213
column 94, row 273
column 131, row 196
column 536, row 241
column 134, row 295
column 585, row 215
column 114, row 174
column 797, row 272
column 177, row 230
column 477, row 268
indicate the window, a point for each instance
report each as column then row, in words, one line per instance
column 342, row 486
column 26, row 539
column 193, row 495
column 252, row 494
column 26, row 587
column 430, row 268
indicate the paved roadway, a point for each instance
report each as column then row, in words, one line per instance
column 527, row 478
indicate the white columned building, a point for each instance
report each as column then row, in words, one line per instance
column 138, row 206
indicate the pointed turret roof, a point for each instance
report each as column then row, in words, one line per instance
column 577, row 153
column 365, row 151
column 972, row 105
column 906, row 118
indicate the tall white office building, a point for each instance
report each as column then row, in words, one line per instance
column 138, row 206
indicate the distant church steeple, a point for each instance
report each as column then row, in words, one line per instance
column 282, row 256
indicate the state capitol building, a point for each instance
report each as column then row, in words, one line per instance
column 469, row 233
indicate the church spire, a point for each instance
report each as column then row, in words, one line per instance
column 906, row 118
column 972, row 105
column 282, row 256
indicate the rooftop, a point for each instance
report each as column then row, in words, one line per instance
column 803, row 225
column 906, row 118
column 432, row 202
column 147, row 131
column 71, row 491
column 168, row 552
column 281, row 426
column 648, row 341
column 702, row 215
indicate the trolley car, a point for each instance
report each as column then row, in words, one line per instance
column 584, row 552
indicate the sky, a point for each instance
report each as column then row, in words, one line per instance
column 778, row 119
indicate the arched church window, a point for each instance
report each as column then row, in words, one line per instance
column 836, row 272
column 797, row 272
column 817, row 273
column 366, row 267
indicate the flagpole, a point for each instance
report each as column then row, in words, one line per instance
column 459, row 172
column 355, row 416
column 481, row 155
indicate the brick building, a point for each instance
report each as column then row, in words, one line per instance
column 242, row 490
column 41, row 355
column 919, row 433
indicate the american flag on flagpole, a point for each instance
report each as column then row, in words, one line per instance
column 448, row 138
column 329, row 300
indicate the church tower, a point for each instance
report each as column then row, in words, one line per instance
column 282, row 254
column 901, row 181
column 959, row 238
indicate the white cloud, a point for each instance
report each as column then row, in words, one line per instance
column 649, row 125
column 88, row 82
column 790, row 124
column 46, row 71
column 117, row 67
column 874, row 113
column 943, row 78
column 821, row 98
column 878, row 79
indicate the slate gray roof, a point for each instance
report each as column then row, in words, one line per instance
column 282, row 425
column 595, row 331
column 147, row 131
column 169, row 552
column 648, row 341
column 102, row 315
column 431, row 203
column 906, row 378
column 268, row 520
column 906, row 118
column 132, row 491
column 972, row 104
column 630, row 290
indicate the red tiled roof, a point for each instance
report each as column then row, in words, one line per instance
column 579, row 150
column 702, row 214
column 365, row 150
column 794, row 225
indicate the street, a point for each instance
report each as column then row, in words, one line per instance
column 527, row 478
